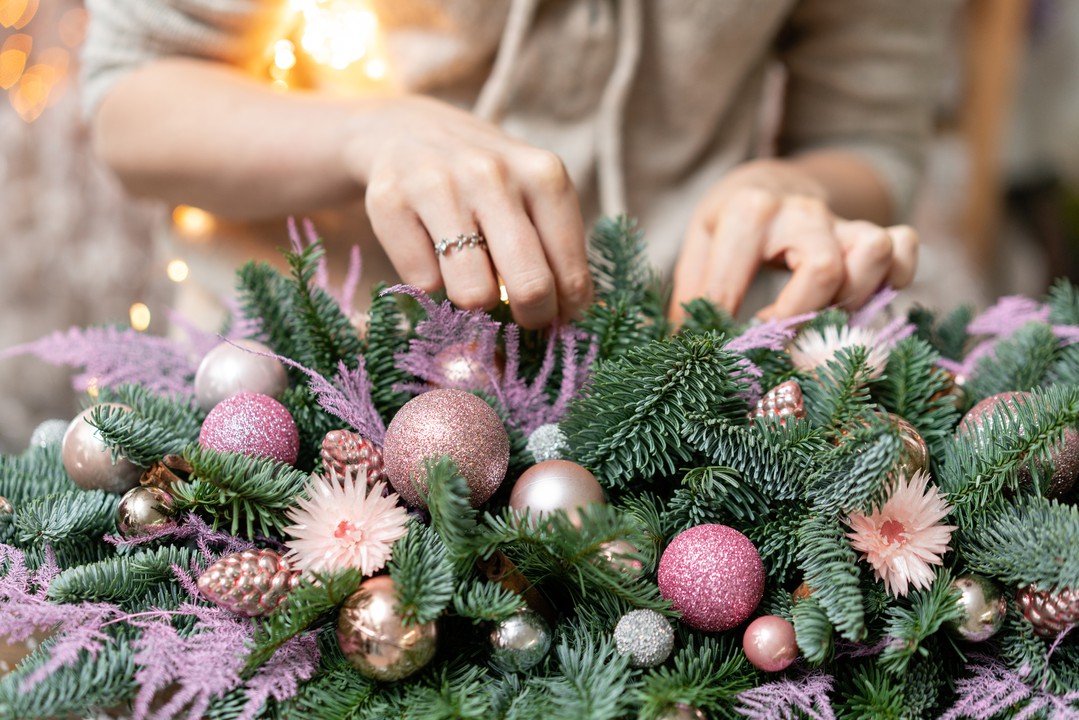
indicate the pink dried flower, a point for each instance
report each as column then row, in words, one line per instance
column 903, row 539
column 814, row 348
column 341, row 525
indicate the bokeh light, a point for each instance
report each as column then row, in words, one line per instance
column 140, row 316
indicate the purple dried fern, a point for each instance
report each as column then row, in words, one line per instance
column 211, row 543
column 343, row 295
column 280, row 678
column 994, row 690
column 787, row 699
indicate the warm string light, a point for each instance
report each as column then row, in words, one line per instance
column 338, row 34
column 177, row 270
column 140, row 316
column 33, row 81
column 193, row 223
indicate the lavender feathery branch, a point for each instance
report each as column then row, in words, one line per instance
column 343, row 295
column 995, row 691
column 788, row 699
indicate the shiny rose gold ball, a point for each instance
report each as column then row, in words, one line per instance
column 769, row 643
column 555, row 485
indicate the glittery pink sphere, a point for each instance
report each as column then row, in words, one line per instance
column 446, row 422
column 251, row 424
column 769, row 643
column 713, row 575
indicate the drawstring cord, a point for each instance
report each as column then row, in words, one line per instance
column 492, row 99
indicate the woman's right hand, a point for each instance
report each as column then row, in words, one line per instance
column 433, row 172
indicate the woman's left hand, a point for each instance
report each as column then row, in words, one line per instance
column 771, row 212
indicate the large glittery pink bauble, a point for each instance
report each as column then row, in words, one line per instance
column 89, row 461
column 251, row 424
column 1065, row 456
column 230, row 368
column 769, row 643
column 713, row 575
column 446, row 422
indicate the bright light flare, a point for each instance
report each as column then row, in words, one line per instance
column 140, row 316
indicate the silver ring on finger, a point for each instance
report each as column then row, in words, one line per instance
column 462, row 241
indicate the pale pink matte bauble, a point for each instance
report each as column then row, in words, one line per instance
column 769, row 643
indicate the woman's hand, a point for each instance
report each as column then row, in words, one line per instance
column 434, row 172
column 773, row 212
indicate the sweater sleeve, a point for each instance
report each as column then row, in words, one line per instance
column 862, row 75
column 125, row 34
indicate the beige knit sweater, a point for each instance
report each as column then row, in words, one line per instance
column 648, row 102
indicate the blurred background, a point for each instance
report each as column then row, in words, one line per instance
column 999, row 211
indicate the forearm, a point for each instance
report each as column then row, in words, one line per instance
column 202, row 134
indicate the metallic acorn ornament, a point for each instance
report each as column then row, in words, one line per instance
column 984, row 608
column 89, row 461
column 556, row 485
column 249, row 583
column 769, row 643
column 645, row 636
column 1051, row 613
column 144, row 509
column 782, row 404
column 521, row 641
column 914, row 455
column 681, row 711
column 49, row 432
column 343, row 450
column 374, row 638
column 229, row 369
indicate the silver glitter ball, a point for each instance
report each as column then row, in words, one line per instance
column 645, row 636
column 50, row 432
column 520, row 641
column 547, row 442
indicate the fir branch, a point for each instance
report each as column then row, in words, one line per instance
column 703, row 315
column 855, row 474
column 839, row 393
column 1030, row 540
column 249, row 491
column 337, row 692
column 267, row 296
column 776, row 539
column 868, row 692
column 949, row 336
column 591, row 681
column 482, row 601
column 384, row 341
column 455, row 692
column 1022, row 362
column 119, row 579
column 812, row 630
column 422, row 574
column 715, row 494
column 315, row 597
column 828, row 561
column 707, row 672
column 36, row 473
column 139, row 439
column 911, row 621
column 71, row 518
column 626, row 426
column 452, row 515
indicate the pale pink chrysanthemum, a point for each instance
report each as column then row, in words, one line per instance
column 813, row 348
column 343, row 525
column 903, row 538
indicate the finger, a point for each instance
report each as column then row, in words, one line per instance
column 904, row 255
column 867, row 257
column 556, row 215
column 402, row 236
column 689, row 270
column 736, row 249
column 802, row 235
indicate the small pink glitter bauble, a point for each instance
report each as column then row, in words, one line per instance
column 769, row 643
column 446, row 422
column 713, row 575
column 251, row 424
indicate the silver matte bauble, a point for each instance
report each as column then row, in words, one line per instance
column 520, row 641
column 229, row 369
column 144, row 509
column 50, row 432
column 89, row 461
column 645, row 636
column 983, row 607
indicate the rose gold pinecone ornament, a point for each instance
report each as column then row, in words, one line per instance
column 343, row 450
column 781, row 403
column 249, row 583
column 1049, row 613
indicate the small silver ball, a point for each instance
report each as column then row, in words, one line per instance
column 547, row 442
column 984, row 608
column 50, row 432
column 520, row 641
column 230, row 369
column 646, row 636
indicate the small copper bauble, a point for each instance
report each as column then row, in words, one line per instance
column 801, row 592
column 555, row 485
column 250, row 583
column 618, row 555
column 769, row 643
column 446, row 422
column 782, row 404
column 235, row 367
column 681, row 711
column 375, row 640
column 144, row 509
column 1051, row 613
column 89, row 461
column 520, row 642
column 914, row 455
column 6, row 509
column 983, row 606
column 954, row 390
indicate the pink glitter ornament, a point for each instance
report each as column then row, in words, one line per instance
column 251, row 424
column 713, row 575
column 446, row 422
